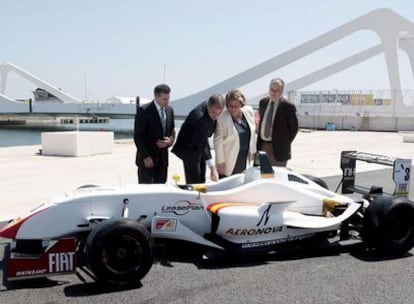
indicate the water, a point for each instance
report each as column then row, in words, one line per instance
column 17, row 136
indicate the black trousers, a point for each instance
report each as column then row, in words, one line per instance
column 268, row 148
column 155, row 175
column 195, row 171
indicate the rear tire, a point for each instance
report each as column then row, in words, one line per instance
column 389, row 225
column 119, row 252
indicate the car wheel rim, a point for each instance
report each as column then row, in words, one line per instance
column 122, row 254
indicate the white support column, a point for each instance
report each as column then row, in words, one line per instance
column 3, row 74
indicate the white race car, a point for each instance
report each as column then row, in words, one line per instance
column 113, row 231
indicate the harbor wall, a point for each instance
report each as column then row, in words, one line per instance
column 356, row 123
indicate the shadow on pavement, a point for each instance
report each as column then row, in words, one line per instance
column 94, row 288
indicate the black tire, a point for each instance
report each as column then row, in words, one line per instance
column 389, row 225
column 317, row 180
column 119, row 252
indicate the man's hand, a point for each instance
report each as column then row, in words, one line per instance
column 148, row 163
column 221, row 168
column 163, row 143
column 213, row 174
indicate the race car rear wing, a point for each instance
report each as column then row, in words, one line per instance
column 400, row 176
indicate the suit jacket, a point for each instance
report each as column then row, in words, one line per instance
column 226, row 138
column 148, row 129
column 192, row 140
column 285, row 128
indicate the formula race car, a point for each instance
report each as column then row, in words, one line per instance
column 112, row 232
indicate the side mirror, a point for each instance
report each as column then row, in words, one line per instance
column 266, row 169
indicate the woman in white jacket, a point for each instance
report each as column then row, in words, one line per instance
column 235, row 135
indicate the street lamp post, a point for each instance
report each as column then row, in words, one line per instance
column 164, row 73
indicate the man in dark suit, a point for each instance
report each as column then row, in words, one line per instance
column 278, row 125
column 154, row 133
column 192, row 145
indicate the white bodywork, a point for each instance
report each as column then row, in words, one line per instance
column 252, row 211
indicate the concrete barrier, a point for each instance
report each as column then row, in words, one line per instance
column 75, row 143
column 408, row 138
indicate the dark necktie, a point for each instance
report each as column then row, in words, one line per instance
column 268, row 122
column 163, row 121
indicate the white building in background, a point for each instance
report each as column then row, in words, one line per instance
column 126, row 100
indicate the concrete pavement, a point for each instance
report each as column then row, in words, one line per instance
column 28, row 179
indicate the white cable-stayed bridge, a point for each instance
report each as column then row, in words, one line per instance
column 390, row 109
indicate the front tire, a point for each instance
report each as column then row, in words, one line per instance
column 119, row 252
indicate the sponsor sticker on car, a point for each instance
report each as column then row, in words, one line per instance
column 165, row 224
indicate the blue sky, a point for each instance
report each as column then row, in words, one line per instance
column 98, row 49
